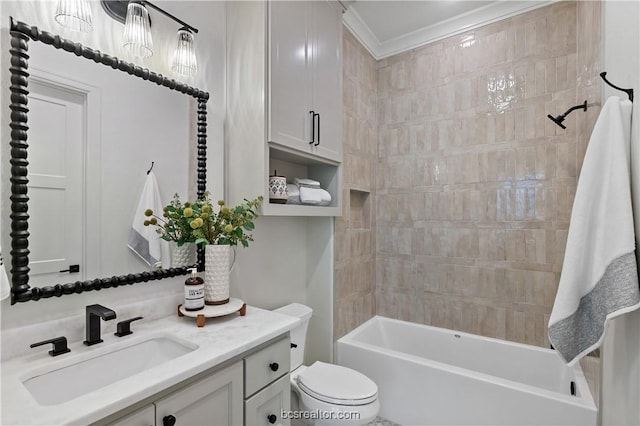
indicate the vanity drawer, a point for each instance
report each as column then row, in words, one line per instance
column 267, row 406
column 266, row 365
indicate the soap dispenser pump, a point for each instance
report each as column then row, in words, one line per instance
column 194, row 292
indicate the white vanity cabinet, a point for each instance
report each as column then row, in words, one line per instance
column 284, row 100
column 213, row 400
column 267, row 389
column 145, row 416
column 253, row 390
column 267, row 406
column 305, row 39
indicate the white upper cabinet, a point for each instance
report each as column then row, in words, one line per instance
column 305, row 40
column 284, row 100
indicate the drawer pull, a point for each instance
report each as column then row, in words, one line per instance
column 293, row 345
column 168, row 420
column 272, row 418
column 274, row 366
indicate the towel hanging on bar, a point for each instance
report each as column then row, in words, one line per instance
column 599, row 278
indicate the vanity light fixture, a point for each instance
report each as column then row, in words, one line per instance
column 135, row 15
column 74, row 15
column 184, row 56
column 137, row 31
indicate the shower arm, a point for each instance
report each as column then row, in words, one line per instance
column 559, row 119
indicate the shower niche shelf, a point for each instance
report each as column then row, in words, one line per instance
column 359, row 208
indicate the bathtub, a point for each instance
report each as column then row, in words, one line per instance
column 433, row 376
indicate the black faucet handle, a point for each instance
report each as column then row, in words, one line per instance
column 59, row 345
column 124, row 327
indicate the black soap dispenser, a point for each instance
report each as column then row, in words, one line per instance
column 194, row 292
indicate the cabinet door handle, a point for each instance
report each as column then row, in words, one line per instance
column 168, row 420
column 274, row 366
column 313, row 127
column 272, row 418
column 317, row 127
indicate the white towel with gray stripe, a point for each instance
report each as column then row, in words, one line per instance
column 599, row 279
column 144, row 240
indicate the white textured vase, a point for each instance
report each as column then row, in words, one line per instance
column 185, row 255
column 217, row 267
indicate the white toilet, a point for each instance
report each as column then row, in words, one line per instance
column 322, row 388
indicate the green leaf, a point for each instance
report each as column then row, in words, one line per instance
column 245, row 243
column 249, row 226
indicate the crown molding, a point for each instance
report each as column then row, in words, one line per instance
column 465, row 22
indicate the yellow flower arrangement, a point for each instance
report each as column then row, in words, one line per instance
column 197, row 222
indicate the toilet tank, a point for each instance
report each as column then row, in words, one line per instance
column 298, row 334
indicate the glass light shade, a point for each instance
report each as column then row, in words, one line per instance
column 137, row 31
column 75, row 15
column 184, row 56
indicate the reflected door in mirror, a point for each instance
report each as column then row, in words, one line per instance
column 56, row 165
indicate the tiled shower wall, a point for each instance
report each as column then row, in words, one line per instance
column 355, row 285
column 474, row 184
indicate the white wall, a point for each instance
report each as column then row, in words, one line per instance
column 292, row 258
column 209, row 18
column 621, row 351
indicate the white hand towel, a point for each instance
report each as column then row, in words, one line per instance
column 599, row 278
column 312, row 196
column 306, row 182
column 5, row 286
column 144, row 240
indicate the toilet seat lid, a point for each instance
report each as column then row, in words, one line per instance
column 336, row 384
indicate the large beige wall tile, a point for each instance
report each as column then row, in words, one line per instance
column 474, row 185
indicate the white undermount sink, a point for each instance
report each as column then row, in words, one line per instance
column 65, row 383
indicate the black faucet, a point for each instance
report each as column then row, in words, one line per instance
column 94, row 313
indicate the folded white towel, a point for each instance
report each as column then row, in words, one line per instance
column 307, row 182
column 293, row 194
column 311, row 196
column 144, row 240
column 325, row 197
column 599, row 279
column 5, row 286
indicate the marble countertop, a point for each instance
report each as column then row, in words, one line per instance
column 219, row 340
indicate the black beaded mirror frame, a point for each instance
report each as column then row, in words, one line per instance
column 20, row 289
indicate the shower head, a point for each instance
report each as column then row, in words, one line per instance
column 558, row 120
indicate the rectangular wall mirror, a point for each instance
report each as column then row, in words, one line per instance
column 85, row 129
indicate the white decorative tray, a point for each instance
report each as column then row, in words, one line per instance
column 212, row 311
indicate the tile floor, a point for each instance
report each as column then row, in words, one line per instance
column 379, row 421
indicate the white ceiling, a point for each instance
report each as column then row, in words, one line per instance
column 389, row 27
